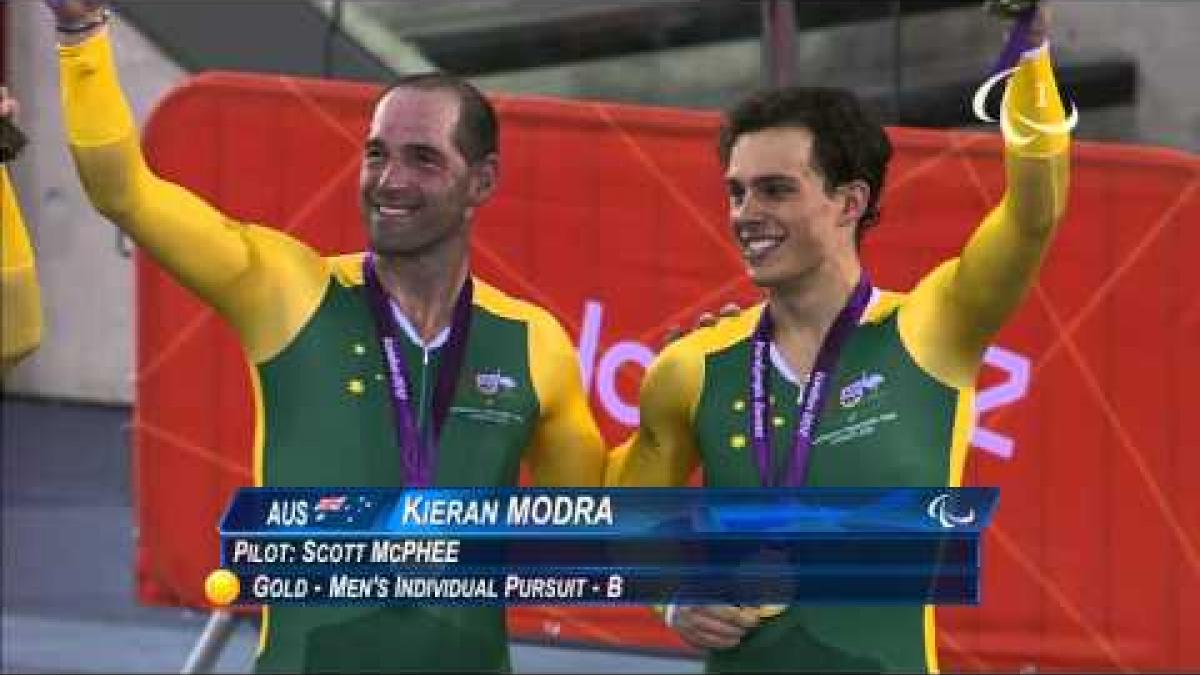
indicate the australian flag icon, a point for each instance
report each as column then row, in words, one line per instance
column 343, row 510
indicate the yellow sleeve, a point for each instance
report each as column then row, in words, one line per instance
column 567, row 449
column 616, row 462
column 662, row 452
column 266, row 283
column 20, row 302
column 955, row 311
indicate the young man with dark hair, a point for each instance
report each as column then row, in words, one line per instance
column 746, row 399
column 848, row 142
column 358, row 361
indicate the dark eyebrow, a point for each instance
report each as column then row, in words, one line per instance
column 773, row 178
column 424, row 147
column 760, row 181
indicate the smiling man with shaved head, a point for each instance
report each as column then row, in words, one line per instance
column 390, row 367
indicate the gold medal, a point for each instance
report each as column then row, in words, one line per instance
column 770, row 611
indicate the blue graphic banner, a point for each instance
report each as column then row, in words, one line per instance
column 616, row 511
column 392, row 553
column 611, row 587
column 618, row 546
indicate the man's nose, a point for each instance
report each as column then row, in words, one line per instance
column 394, row 176
column 747, row 209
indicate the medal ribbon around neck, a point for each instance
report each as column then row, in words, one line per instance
column 808, row 409
column 417, row 452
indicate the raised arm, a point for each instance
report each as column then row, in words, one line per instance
column 20, row 303
column 662, row 452
column 954, row 313
column 265, row 283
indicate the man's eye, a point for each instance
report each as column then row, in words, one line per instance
column 777, row 190
column 427, row 158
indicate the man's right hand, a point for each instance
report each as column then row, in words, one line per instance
column 713, row 626
column 1039, row 28
column 74, row 11
column 71, row 13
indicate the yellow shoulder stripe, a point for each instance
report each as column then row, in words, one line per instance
column 347, row 269
column 502, row 304
column 885, row 303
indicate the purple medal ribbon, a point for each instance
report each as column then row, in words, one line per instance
column 808, row 410
column 1018, row 40
column 417, row 452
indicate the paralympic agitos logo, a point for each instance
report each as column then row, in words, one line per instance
column 1008, row 116
column 600, row 370
column 941, row 509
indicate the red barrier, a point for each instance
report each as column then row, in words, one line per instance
column 613, row 218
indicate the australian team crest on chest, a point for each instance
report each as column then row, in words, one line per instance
column 492, row 396
column 493, row 383
column 863, row 406
column 866, row 387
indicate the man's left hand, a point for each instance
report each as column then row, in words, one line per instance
column 705, row 320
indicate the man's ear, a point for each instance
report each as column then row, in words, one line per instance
column 485, row 174
column 856, row 196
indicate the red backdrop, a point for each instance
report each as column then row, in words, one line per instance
column 613, row 218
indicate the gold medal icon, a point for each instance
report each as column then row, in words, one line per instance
column 222, row 587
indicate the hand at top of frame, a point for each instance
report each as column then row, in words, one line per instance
column 1039, row 28
column 77, row 20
